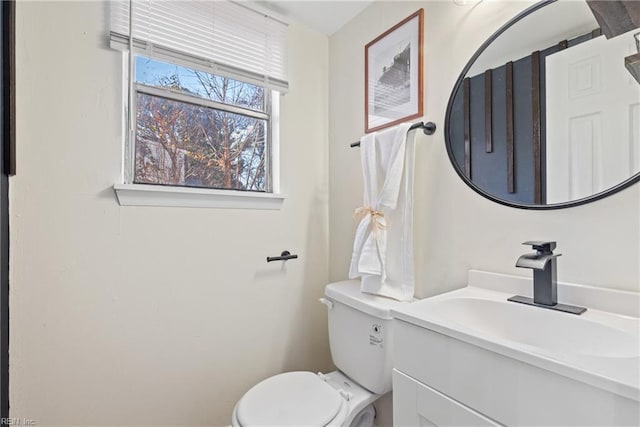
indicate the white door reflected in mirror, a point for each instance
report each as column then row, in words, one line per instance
column 593, row 118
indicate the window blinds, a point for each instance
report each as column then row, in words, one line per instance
column 223, row 37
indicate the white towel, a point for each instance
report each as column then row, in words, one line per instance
column 383, row 247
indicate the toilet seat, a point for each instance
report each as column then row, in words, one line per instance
column 291, row 399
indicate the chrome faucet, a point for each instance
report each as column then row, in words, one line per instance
column 545, row 278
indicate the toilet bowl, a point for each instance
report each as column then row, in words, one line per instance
column 306, row 399
column 360, row 337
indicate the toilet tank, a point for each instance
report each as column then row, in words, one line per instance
column 360, row 334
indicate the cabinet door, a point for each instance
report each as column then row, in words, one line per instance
column 416, row 404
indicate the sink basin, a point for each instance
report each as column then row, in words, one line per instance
column 547, row 330
column 600, row 348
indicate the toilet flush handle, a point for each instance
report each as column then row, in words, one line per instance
column 327, row 302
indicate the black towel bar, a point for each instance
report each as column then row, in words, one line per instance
column 428, row 128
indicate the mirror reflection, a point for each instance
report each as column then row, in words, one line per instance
column 549, row 112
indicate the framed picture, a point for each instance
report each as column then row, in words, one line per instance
column 393, row 74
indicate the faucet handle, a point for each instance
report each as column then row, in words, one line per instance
column 541, row 246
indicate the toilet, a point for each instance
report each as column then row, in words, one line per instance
column 360, row 339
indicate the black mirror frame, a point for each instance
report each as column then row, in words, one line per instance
column 619, row 187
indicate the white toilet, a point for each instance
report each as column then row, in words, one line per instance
column 360, row 337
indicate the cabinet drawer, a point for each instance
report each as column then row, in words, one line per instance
column 416, row 404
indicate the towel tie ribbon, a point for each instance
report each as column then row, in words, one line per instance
column 377, row 217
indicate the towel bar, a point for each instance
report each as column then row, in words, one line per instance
column 428, row 128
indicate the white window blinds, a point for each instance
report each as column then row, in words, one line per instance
column 224, row 37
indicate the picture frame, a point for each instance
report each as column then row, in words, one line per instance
column 393, row 74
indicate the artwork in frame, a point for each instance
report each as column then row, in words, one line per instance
column 393, row 74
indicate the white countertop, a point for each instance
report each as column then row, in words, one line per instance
column 600, row 348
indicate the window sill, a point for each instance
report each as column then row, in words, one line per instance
column 151, row 195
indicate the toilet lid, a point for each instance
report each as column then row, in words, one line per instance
column 290, row 399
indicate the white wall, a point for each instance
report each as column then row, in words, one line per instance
column 150, row 316
column 456, row 229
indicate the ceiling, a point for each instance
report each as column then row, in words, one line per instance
column 326, row 16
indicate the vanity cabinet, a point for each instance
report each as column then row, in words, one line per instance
column 416, row 404
column 443, row 381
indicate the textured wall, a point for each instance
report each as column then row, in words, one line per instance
column 456, row 229
column 151, row 316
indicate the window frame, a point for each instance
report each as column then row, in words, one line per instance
column 130, row 193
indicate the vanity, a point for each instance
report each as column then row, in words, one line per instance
column 470, row 357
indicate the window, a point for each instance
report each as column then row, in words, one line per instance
column 197, row 129
column 203, row 84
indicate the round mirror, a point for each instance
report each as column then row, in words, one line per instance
column 546, row 114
